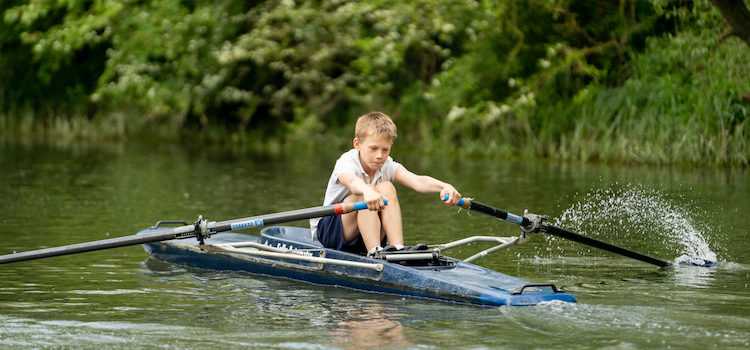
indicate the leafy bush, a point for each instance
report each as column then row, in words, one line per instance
column 529, row 78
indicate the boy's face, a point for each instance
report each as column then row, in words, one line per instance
column 373, row 151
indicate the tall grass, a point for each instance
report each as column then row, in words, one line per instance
column 687, row 102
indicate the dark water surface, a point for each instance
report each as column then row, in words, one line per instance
column 57, row 195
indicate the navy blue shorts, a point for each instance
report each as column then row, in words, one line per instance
column 331, row 235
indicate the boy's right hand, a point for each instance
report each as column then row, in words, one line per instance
column 373, row 199
column 449, row 195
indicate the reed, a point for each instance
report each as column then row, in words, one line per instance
column 688, row 108
column 687, row 101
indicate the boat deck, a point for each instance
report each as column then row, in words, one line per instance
column 290, row 252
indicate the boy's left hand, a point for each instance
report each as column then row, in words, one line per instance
column 453, row 195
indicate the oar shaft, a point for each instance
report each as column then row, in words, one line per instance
column 562, row 233
column 188, row 231
column 87, row 247
column 287, row 216
column 493, row 212
column 556, row 231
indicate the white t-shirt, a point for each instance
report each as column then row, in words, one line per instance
column 349, row 163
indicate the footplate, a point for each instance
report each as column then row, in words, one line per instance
column 416, row 258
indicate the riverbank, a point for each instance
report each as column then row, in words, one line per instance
column 681, row 98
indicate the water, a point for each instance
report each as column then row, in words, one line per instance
column 637, row 212
column 56, row 195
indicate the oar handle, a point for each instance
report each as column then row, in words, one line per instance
column 361, row 205
column 461, row 202
column 496, row 213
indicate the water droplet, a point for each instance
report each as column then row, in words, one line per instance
column 637, row 216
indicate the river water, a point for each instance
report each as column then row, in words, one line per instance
column 63, row 194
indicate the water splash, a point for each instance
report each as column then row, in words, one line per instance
column 641, row 215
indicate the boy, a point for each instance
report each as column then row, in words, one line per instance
column 366, row 173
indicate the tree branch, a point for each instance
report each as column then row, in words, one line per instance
column 737, row 15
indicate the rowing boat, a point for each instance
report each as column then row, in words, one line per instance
column 290, row 252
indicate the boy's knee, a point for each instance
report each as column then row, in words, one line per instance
column 386, row 187
column 353, row 198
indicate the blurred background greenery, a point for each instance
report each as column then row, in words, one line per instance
column 653, row 81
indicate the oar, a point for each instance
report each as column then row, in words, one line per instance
column 200, row 229
column 526, row 223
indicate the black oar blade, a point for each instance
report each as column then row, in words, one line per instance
column 562, row 233
column 88, row 246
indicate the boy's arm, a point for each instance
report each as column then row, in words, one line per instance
column 427, row 184
column 358, row 187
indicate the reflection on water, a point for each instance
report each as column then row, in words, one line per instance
column 367, row 325
column 694, row 276
column 637, row 327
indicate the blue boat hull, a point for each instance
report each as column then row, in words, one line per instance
column 456, row 281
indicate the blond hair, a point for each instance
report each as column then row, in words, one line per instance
column 375, row 123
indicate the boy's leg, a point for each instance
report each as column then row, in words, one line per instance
column 390, row 216
column 350, row 223
column 364, row 223
column 374, row 225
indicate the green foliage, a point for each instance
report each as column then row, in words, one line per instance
column 570, row 79
column 325, row 59
column 673, row 109
column 162, row 62
column 50, row 61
